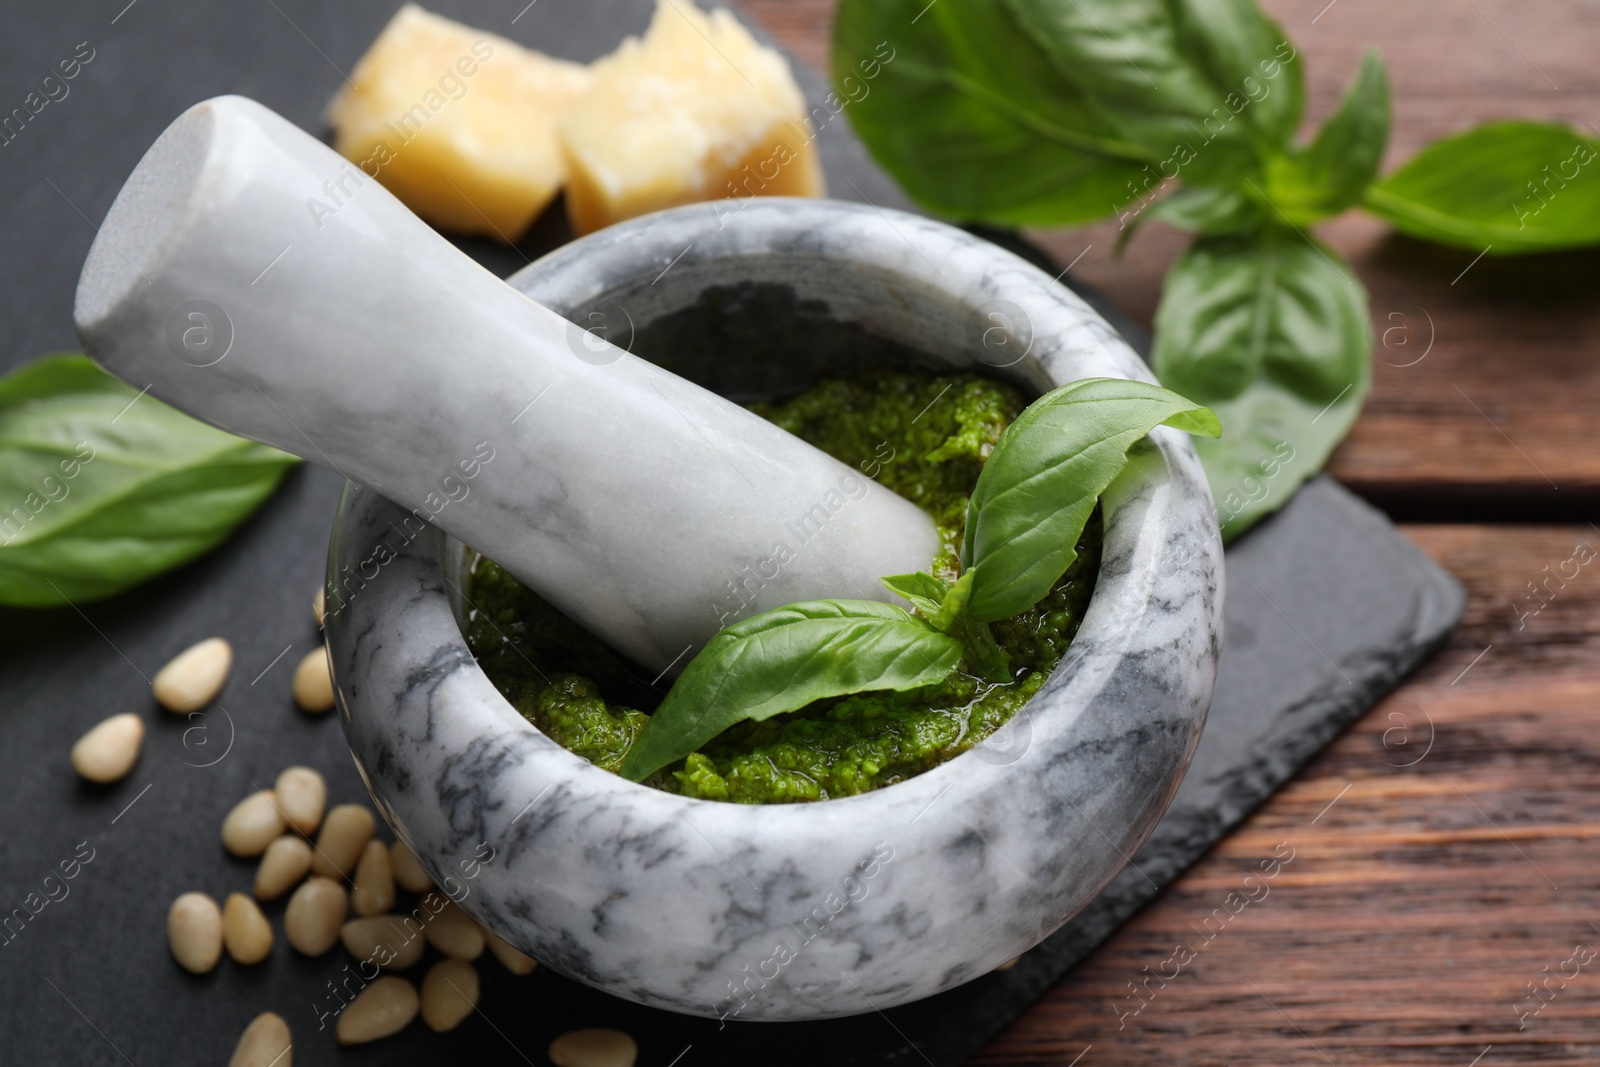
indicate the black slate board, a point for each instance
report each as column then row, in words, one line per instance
column 1328, row 607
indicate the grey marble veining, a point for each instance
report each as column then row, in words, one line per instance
column 250, row 276
column 818, row 910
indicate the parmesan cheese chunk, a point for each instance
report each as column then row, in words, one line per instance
column 695, row 110
column 457, row 123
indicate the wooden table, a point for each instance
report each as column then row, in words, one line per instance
column 1445, row 853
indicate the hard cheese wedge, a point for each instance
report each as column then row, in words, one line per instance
column 459, row 124
column 695, row 110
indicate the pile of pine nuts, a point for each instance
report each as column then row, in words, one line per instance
column 277, row 825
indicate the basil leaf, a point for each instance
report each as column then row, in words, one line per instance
column 984, row 655
column 1272, row 332
column 961, row 107
column 925, row 592
column 954, row 606
column 1195, row 82
column 1276, row 440
column 1040, row 484
column 1334, row 170
column 1273, row 303
column 1243, row 52
column 939, row 601
column 1198, row 209
column 944, row 605
column 1507, row 187
column 781, row 661
column 101, row 488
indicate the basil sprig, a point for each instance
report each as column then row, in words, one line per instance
column 102, row 488
column 1032, row 500
column 1045, row 113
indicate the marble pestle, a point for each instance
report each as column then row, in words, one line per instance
column 250, row 276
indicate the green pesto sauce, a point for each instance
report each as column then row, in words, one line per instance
column 924, row 436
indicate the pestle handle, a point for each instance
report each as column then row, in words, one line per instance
column 250, row 276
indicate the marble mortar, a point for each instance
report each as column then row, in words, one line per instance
column 808, row 911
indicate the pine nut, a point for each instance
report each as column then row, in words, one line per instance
column 509, row 958
column 449, row 993
column 264, row 1043
column 108, row 751
column 245, row 931
column 286, row 861
column 194, row 932
column 381, row 1009
column 253, row 824
column 302, row 794
column 453, row 933
column 345, row 833
column 374, row 891
column 316, row 911
column 408, row 869
column 319, row 605
column 313, row 682
column 393, row 942
column 593, row 1048
column 193, row 678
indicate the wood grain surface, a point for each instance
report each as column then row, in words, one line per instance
column 1442, row 903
